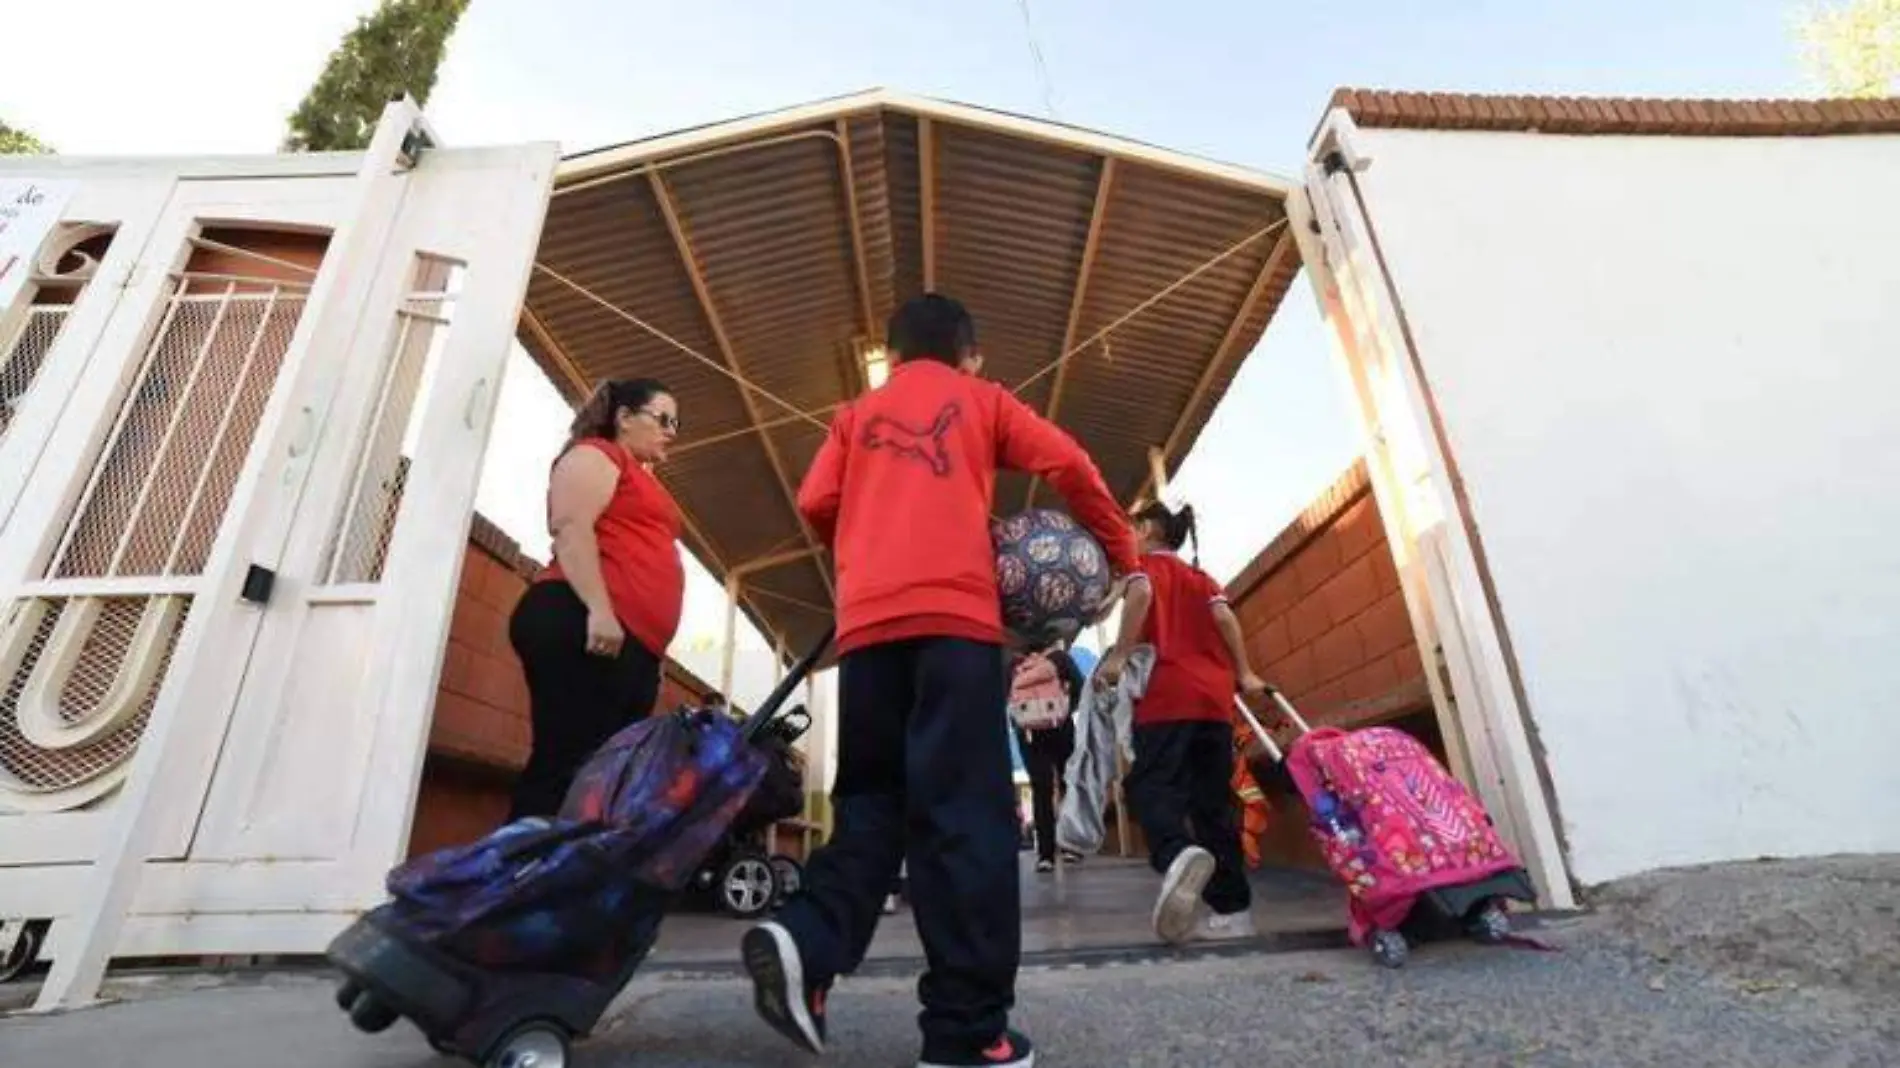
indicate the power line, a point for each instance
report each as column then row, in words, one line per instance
column 1042, row 67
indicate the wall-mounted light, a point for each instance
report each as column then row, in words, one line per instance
column 877, row 366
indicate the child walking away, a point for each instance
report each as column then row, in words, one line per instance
column 901, row 490
column 1043, row 694
column 1184, row 748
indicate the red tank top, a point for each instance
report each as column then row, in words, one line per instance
column 638, row 534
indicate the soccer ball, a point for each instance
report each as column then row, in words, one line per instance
column 1052, row 576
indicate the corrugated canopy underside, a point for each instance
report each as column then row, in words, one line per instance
column 769, row 251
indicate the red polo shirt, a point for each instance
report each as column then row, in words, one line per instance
column 638, row 534
column 1193, row 679
column 902, row 488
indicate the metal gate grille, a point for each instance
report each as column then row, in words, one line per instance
column 360, row 543
column 156, row 498
column 108, row 679
column 20, row 364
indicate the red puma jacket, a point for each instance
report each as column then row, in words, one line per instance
column 901, row 491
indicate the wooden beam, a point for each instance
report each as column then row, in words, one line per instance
column 1276, row 259
column 1158, row 471
column 927, row 199
column 726, row 352
column 796, row 602
column 575, row 386
column 772, row 560
column 729, row 650
column 1103, row 187
column 866, row 311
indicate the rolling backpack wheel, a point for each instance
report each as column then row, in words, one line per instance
column 1489, row 925
column 534, row 1044
column 346, row 992
column 1389, row 948
column 791, row 877
column 369, row 1015
column 746, row 885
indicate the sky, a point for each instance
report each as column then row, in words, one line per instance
column 1243, row 81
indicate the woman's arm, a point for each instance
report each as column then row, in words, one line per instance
column 578, row 491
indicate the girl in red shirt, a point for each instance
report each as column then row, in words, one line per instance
column 1184, row 749
column 592, row 630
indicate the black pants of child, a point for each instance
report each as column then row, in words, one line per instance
column 576, row 700
column 924, row 779
column 1045, row 754
column 1180, row 790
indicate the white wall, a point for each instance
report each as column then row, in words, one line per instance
column 1669, row 370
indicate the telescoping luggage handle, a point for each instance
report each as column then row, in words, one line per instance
column 1260, row 731
column 756, row 723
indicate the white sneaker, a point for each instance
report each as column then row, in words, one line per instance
column 1179, row 905
column 890, row 904
column 1226, row 927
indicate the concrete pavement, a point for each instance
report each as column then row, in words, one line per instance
column 1724, row 990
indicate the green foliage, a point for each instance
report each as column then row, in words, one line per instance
column 396, row 49
column 1853, row 48
column 20, row 143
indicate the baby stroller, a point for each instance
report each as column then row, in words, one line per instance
column 741, row 877
column 504, row 950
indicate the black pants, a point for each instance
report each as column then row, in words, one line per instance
column 1045, row 755
column 577, row 700
column 1181, row 792
column 924, row 779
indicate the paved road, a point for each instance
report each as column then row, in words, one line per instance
column 1456, row 1006
column 1638, row 985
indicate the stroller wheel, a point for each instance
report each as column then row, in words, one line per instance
column 535, row 1044
column 1490, row 925
column 791, row 877
column 1389, row 949
column 25, row 951
column 746, row 886
column 370, row 1015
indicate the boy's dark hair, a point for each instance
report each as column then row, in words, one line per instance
column 930, row 327
column 1177, row 528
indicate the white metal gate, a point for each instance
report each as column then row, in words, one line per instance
column 1477, row 711
column 229, row 574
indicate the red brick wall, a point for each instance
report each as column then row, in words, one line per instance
column 479, row 738
column 1323, row 614
column 1325, row 621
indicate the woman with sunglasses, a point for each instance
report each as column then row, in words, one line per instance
column 592, row 629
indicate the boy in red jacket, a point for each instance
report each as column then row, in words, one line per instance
column 901, row 490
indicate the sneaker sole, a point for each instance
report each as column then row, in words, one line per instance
column 1180, row 900
column 1028, row 1061
column 772, row 960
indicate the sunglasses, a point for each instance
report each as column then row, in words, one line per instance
column 666, row 420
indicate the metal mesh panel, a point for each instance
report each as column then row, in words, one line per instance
column 20, row 365
column 360, row 543
column 100, row 657
column 157, row 496
column 28, row 767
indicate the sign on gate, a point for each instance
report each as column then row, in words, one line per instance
column 28, row 210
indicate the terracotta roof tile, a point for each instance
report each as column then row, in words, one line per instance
column 1574, row 115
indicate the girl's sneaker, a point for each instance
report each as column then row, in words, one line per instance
column 1010, row 1050
column 1226, row 927
column 1044, row 866
column 1178, row 907
column 1071, row 858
